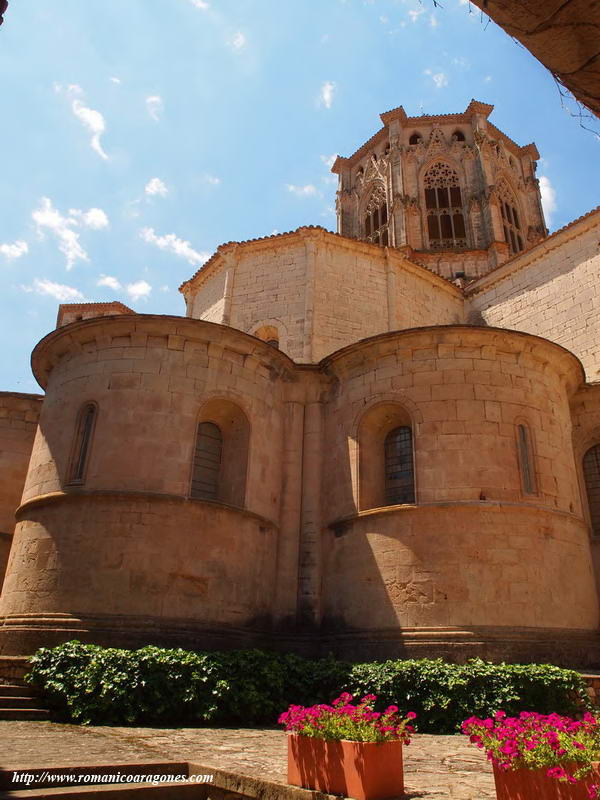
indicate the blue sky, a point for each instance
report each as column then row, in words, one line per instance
column 138, row 135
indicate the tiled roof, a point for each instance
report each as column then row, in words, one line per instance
column 226, row 245
column 75, row 306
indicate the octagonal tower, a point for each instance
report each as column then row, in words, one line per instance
column 453, row 189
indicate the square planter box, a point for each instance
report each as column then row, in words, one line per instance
column 362, row 770
column 534, row 784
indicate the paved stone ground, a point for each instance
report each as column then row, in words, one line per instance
column 436, row 767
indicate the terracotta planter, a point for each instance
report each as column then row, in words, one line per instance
column 534, row 784
column 362, row 770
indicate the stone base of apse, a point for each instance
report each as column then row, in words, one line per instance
column 574, row 648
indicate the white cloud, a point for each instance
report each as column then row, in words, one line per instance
column 48, row 218
column 59, row 291
column 201, row 4
column 415, row 13
column 439, row 78
column 115, row 80
column 89, row 117
column 14, row 250
column 94, row 218
column 462, row 62
column 238, row 41
column 302, row 191
column 155, row 106
column 326, row 94
column 156, row 187
column 170, row 243
column 138, row 290
column 433, row 21
column 487, row 79
column 165, row 288
column 548, row 193
column 109, row 281
column 384, row 20
column 212, row 179
column 329, row 160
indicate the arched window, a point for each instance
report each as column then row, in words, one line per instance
column 415, row 138
column 207, row 462
column 399, row 470
column 269, row 334
column 385, row 464
column 443, row 203
column 220, row 456
column 510, row 219
column 591, row 475
column 376, row 217
column 458, row 136
column 83, row 443
column 526, row 460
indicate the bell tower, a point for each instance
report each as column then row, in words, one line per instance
column 452, row 189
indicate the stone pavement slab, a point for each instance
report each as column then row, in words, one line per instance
column 436, row 767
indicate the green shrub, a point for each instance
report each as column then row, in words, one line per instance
column 153, row 686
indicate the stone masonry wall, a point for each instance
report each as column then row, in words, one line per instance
column 585, row 411
column 476, row 549
column 271, row 283
column 553, row 292
column 210, row 303
column 18, row 422
column 321, row 291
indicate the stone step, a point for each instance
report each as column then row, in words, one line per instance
column 29, row 779
column 36, row 714
column 16, row 690
column 19, row 702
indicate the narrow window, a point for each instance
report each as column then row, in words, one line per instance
column 83, row 442
column 510, row 218
column 525, row 461
column 399, row 470
column 591, row 474
column 207, row 462
column 375, row 220
column 415, row 138
column 444, row 210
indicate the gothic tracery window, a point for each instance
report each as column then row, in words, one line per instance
column 510, row 219
column 376, row 217
column 444, row 209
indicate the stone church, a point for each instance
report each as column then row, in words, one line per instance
column 383, row 441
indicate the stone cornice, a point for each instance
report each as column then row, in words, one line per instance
column 569, row 366
column 99, row 494
column 100, row 331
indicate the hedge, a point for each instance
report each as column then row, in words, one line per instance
column 88, row 684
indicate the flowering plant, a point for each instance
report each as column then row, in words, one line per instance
column 342, row 720
column 567, row 747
